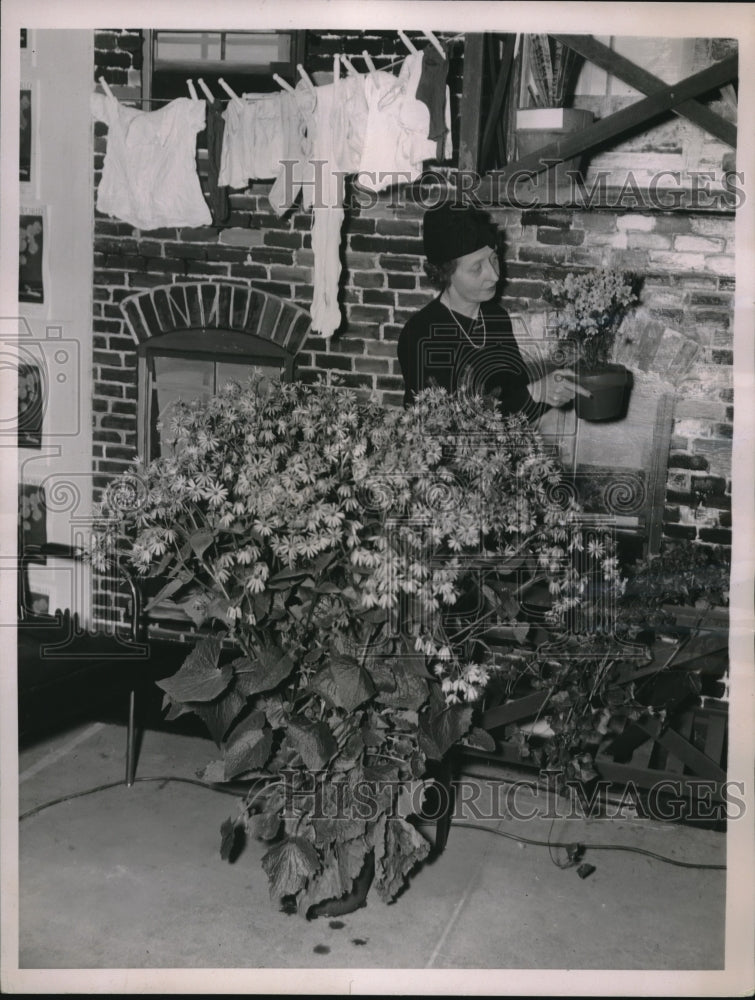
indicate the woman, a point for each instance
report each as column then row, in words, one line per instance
column 463, row 339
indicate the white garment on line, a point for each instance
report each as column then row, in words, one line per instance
column 337, row 131
column 149, row 178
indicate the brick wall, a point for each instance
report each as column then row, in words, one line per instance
column 687, row 259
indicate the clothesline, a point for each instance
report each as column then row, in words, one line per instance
column 227, row 100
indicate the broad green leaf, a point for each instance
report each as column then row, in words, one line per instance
column 247, row 751
column 200, row 541
column 213, row 773
column 328, row 587
column 343, row 682
column 218, row 608
column 289, row 866
column 286, row 577
column 261, row 604
column 263, row 674
column 439, row 731
column 323, row 561
column 200, row 678
column 220, row 714
column 479, row 738
column 313, row 741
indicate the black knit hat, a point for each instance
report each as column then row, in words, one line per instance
column 450, row 231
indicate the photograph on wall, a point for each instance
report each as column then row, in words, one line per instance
column 30, row 406
column 31, row 256
column 25, row 144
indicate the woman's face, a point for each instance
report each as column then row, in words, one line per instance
column 476, row 275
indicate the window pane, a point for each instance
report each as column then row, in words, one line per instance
column 228, row 371
column 178, row 378
column 187, row 46
column 258, row 49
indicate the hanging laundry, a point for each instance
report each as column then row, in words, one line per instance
column 396, row 138
column 149, row 178
column 296, row 116
column 338, row 126
column 433, row 92
column 220, row 206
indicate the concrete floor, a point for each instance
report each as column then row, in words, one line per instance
column 132, row 879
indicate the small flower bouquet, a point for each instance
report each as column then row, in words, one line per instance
column 589, row 309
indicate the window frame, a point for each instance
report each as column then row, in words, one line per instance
column 259, row 81
column 198, row 343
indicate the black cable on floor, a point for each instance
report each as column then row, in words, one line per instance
column 592, row 847
column 116, row 784
column 471, row 826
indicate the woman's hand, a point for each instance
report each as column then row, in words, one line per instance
column 557, row 388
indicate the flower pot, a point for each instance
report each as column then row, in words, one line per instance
column 539, row 127
column 609, row 387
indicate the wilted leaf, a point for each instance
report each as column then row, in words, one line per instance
column 261, row 604
column 289, row 866
column 313, row 741
column 228, row 833
column 328, row 884
column 410, row 798
column 438, row 731
column 248, row 746
column 199, row 678
column 410, row 691
column 351, row 855
column 265, row 825
column 343, row 682
column 263, row 674
column 404, row 848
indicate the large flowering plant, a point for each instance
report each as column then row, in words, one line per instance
column 589, row 308
column 344, row 564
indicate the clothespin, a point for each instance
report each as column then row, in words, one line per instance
column 231, row 93
column 368, row 59
column 349, row 65
column 103, row 83
column 206, row 90
column 412, row 48
column 192, row 90
column 434, row 42
column 305, row 76
column 283, row 84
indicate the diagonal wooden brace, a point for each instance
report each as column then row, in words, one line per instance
column 637, row 114
column 628, row 72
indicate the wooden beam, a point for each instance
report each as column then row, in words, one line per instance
column 699, row 763
column 628, row 118
column 628, row 72
column 471, row 97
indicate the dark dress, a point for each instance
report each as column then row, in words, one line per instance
column 448, row 349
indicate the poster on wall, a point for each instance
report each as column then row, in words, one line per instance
column 30, row 406
column 26, row 133
column 32, row 259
